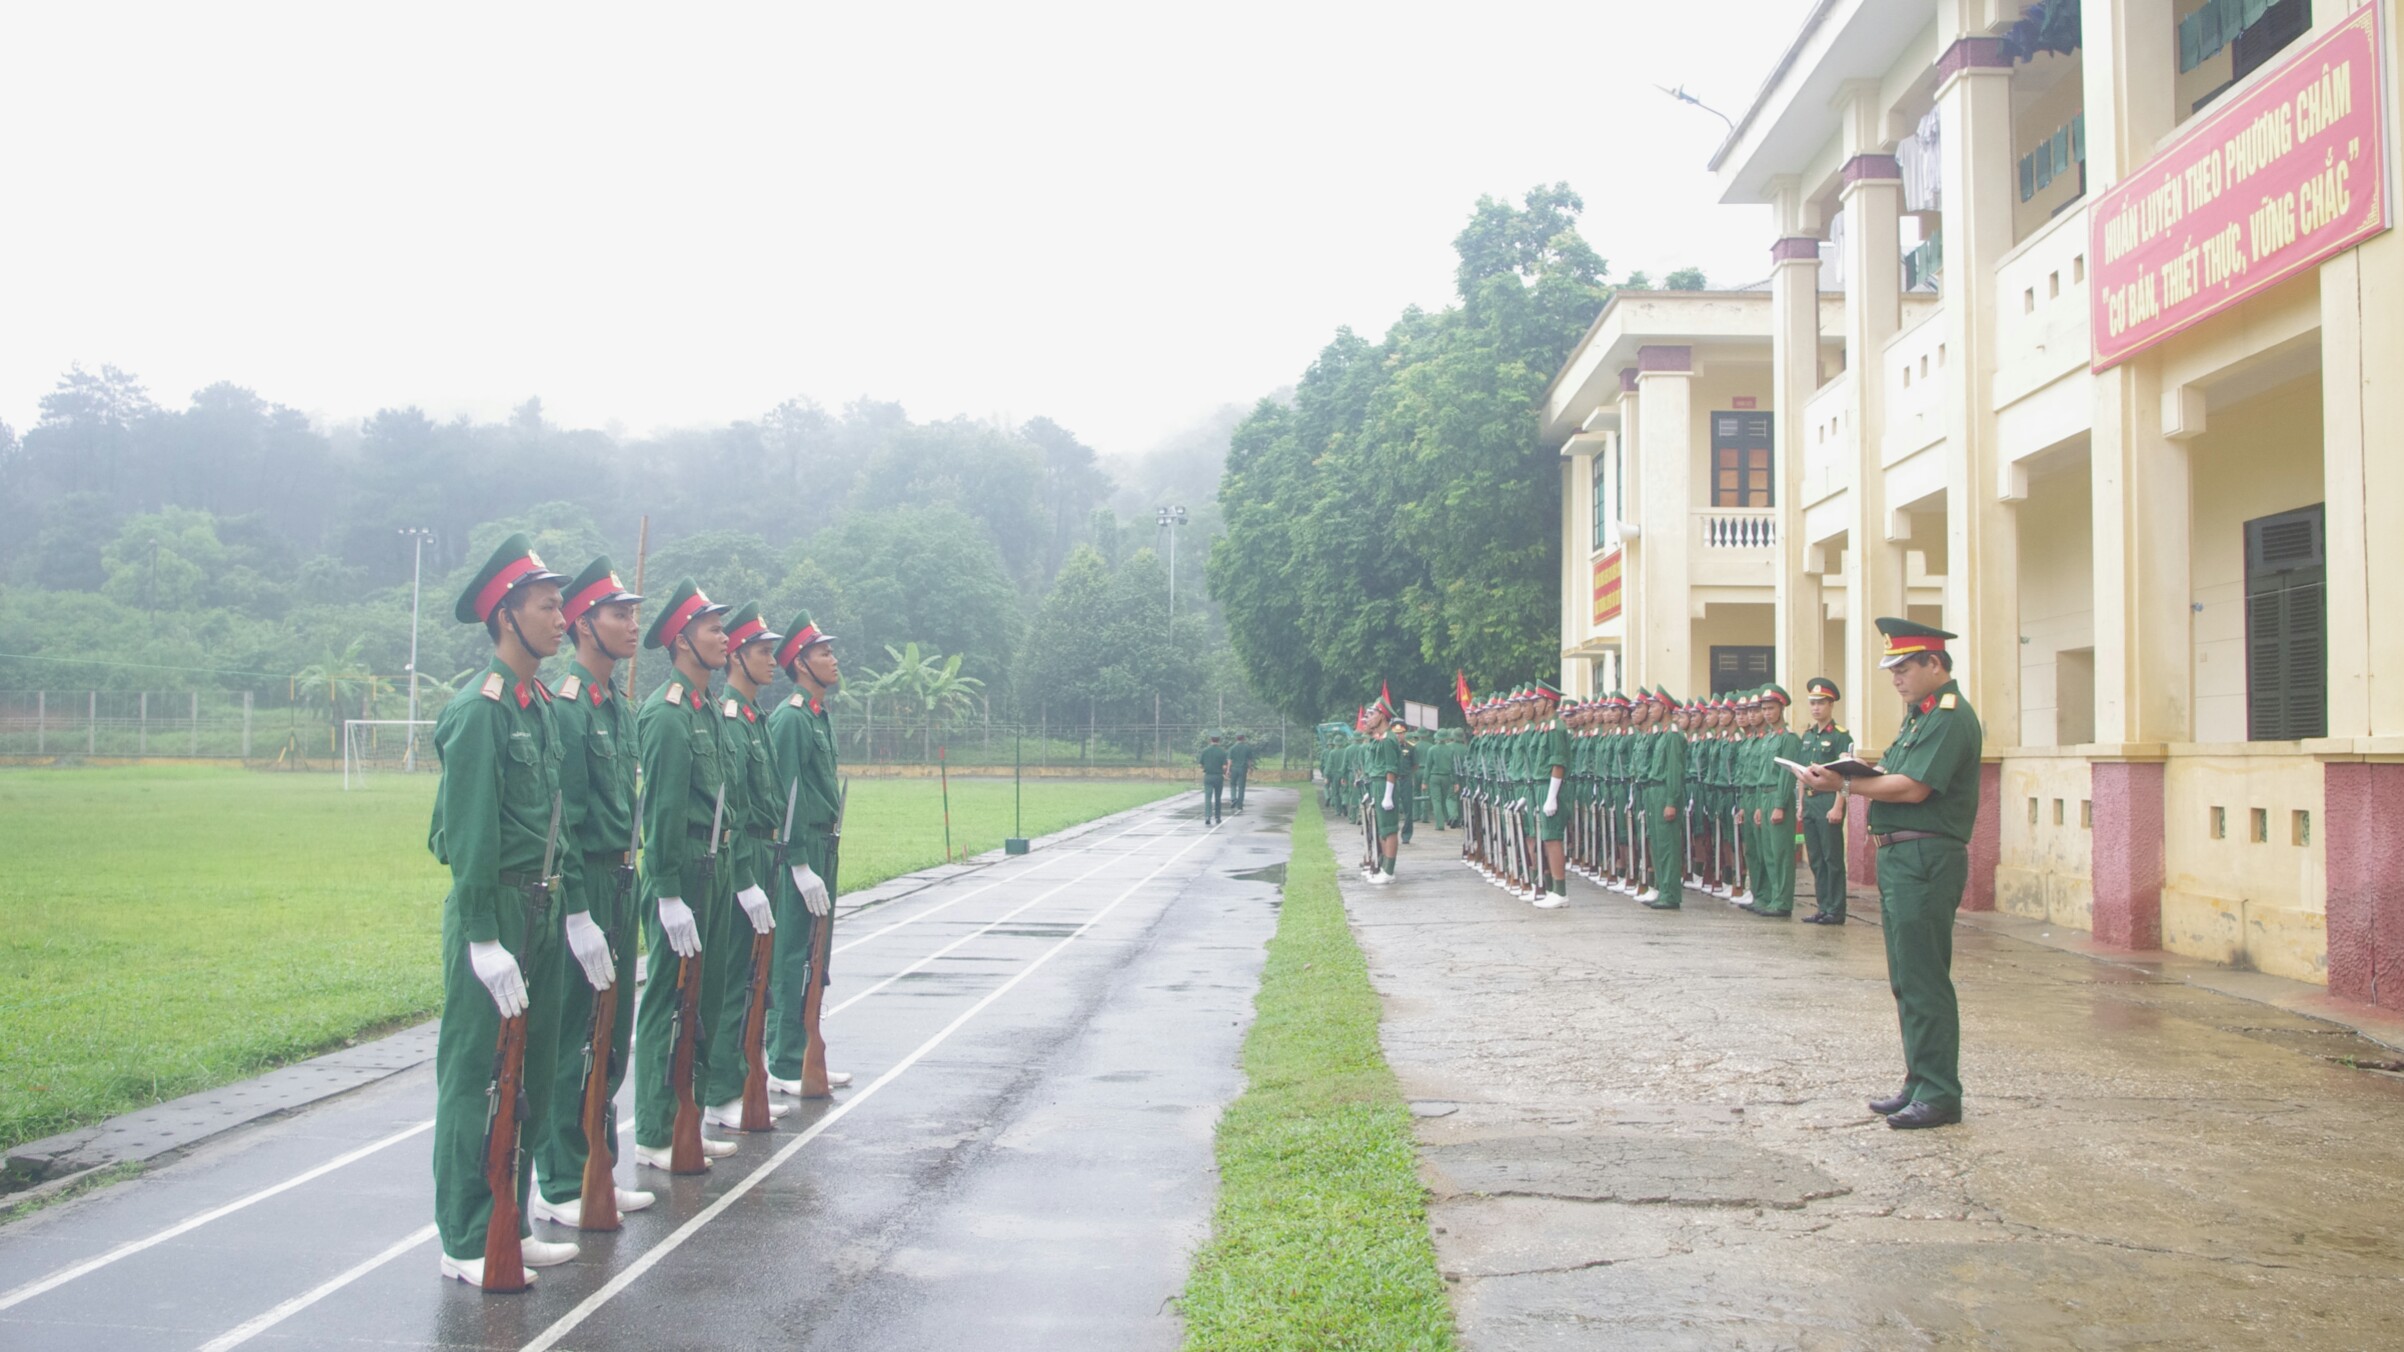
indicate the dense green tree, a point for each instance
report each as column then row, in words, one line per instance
column 928, row 575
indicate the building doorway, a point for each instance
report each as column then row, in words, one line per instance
column 1736, row 668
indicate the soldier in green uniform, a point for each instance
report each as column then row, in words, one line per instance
column 755, row 818
column 495, row 821
column 596, row 780
column 1922, row 809
column 1774, row 888
column 1381, row 765
column 1664, row 804
column 1548, row 767
column 801, row 740
column 1443, row 760
column 1214, row 778
column 688, row 896
column 1239, row 770
column 1824, row 813
column 1406, row 740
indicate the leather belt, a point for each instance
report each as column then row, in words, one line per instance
column 613, row 856
column 1898, row 837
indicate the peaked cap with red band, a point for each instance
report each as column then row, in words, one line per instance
column 744, row 626
column 1909, row 638
column 511, row 566
column 597, row 585
column 801, row 635
column 685, row 605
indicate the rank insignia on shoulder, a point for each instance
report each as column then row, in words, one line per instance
column 493, row 685
column 727, row 709
column 674, row 691
column 1948, row 702
column 571, row 687
column 798, row 701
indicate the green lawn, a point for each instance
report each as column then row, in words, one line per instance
column 1320, row 1237
column 168, row 929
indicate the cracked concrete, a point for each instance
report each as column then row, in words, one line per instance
column 1646, row 1130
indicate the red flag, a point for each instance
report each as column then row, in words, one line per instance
column 1460, row 689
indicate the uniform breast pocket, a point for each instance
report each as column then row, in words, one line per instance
column 600, row 746
column 522, row 772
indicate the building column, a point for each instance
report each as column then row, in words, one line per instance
column 1872, row 197
column 1796, row 624
column 2128, row 861
column 1659, row 480
column 2364, row 818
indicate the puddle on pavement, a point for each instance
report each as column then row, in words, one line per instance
column 1274, row 873
column 2335, row 1045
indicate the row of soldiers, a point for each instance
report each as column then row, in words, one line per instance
column 1651, row 796
column 725, row 861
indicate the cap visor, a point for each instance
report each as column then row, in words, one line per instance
column 1896, row 660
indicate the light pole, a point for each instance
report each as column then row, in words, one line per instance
column 1170, row 519
column 418, row 536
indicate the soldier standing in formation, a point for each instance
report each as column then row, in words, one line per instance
column 801, row 742
column 496, row 822
column 1386, row 790
column 755, row 815
column 596, row 774
column 1922, row 809
column 1824, row 813
column 1774, row 800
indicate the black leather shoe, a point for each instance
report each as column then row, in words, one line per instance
column 1747, row 906
column 1887, row 1107
column 1921, row 1115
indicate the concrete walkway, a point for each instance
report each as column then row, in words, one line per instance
column 1646, row 1130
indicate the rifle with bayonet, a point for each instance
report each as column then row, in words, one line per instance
column 505, row 1107
column 684, row 1141
column 822, row 948
column 598, row 1206
column 756, row 1116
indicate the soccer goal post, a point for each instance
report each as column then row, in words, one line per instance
column 382, row 743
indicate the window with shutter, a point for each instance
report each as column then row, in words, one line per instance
column 2286, row 627
column 1740, row 460
column 1740, row 667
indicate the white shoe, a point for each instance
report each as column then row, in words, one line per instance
column 788, row 1088
column 542, row 1253
column 471, row 1270
column 1648, row 894
column 836, row 1079
column 1380, row 879
column 634, row 1199
column 730, row 1113
column 1550, row 901
column 658, row 1159
column 571, row 1211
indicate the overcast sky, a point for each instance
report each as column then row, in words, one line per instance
column 1118, row 215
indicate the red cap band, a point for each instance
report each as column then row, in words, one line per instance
column 693, row 605
column 501, row 583
column 585, row 600
column 745, row 632
column 794, row 643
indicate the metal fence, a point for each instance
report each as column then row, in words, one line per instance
column 269, row 727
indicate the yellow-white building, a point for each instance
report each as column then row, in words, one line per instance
column 2085, row 335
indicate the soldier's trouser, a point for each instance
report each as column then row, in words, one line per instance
column 1667, row 842
column 559, row 1151
column 789, row 969
column 1211, row 789
column 723, row 955
column 1235, row 787
column 1444, row 802
column 1919, row 888
column 1555, row 824
column 1775, row 892
column 748, row 855
column 464, row 1064
column 1824, row 842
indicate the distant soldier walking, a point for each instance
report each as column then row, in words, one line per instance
column 1239, row 769
column 1214, row 778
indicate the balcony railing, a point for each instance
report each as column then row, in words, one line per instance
column 1737, row 528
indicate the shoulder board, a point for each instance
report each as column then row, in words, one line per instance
column 571, row 687
column 493, row 685
column 1841, row 728
column 728, row 709
column 673, row 691
column 798, row 701
column 1948, row 702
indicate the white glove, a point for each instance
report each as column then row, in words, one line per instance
column 684, row 937
column 591, row 949
column 499, row 972
column 755, row 905
column 1552, row 796
column 813, row 889
column 1388, row 804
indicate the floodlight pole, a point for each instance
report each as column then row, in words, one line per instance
column 1170, row 518
column 417, row 567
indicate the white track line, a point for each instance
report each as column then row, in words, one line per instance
column 126, row 1250
column 651, row 1257
column 1047, row 862
column 243, row 1333
column 90, row 1265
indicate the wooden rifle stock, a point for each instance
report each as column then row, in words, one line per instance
column 755, row 1038
column 813, row 1002
column 684, row 1141
column 504, row 1256
column 599, row 1206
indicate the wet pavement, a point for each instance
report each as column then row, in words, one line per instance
column 1647, row 1130
column 1042, row 1049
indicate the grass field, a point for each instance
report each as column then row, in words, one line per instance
column 169, row 929
column 1319, row 1240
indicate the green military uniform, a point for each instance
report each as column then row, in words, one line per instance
column 1824, row 840
column 1774, row 851
column 755, row 819
column 801, row 739
column 500, row 749
column 1443, row 786
column 1406, row 792
column 1382, row 756
column 686, row 765
column 1665, row 787
column 1239, row 771
column 596, row 780
column 1920, row 880
column 1214, row 775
